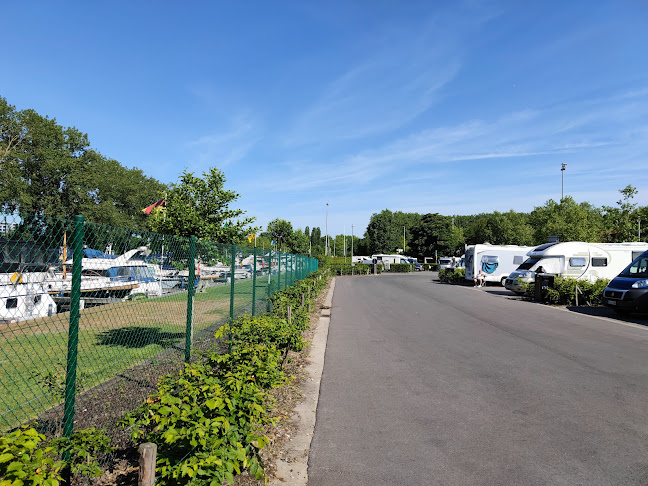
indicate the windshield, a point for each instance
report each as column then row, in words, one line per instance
column 528, row 263
column 637, row 269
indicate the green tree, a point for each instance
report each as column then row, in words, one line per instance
column 569, row 220
column 201, row 207
column 280, row 231
column 621, row 222
column 49, row 170
column 436, row 233
column 510, row 228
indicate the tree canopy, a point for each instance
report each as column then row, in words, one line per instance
column 201, row 207
column 50, row 170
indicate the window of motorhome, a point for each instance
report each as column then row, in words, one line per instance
column 518, row 259
column 528, row 263
column 12, row 303
column 552, row 264
column 636, row 254
column 599, row 262
column 577, row 262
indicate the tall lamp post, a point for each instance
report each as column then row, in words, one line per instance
column 326, row 249
column 352, row 244
column 562, row 190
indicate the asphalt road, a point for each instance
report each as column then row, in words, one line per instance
column 427, row 383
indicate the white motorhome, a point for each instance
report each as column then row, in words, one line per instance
column 380, row 257
column 496, row 261
column 575, row 259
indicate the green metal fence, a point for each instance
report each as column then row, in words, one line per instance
column 91, row 316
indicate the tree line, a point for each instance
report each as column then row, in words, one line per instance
column 47, row 170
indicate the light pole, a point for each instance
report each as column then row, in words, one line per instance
column 326, row 249
column 352, row 244
column 562, row 190
column 403, row 240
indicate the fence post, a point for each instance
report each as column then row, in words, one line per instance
column 147, row 458
column 268, row 289
column 232, row 270
column 190, row 297
column 254, row 283
column 279, row 272
column 73, row 335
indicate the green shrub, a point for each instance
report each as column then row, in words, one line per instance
column 563, row 291
column 400, row 268
column 356, row 269
column 25, row 458
column 205, row 424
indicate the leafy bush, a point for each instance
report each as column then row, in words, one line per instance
column 25, row 458
column 400, row 268
column 452, row 275
column 563, row 291
column 357, row 269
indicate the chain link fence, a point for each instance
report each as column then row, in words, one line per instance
column 91, row 316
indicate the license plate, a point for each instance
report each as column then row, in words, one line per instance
column 612, row 302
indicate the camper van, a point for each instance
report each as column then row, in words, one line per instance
column 496, row 261
column 389, row 258
column 628, row 291
column 575, row 259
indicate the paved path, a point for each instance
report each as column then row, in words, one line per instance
column 426, row 383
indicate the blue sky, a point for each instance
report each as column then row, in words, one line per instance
column 451, row 107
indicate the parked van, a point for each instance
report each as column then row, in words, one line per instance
column 575, row 259
column 446, row 262
column 496, row 261
column 628, row 291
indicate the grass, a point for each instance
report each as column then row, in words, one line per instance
column 112, row 338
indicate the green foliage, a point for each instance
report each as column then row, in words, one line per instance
column 207, row 420
column 436, row 233
column 452, row 275
column 620, row 223
column 568, row 220
column 400, row 268
column 347, row 269
column 564, row 291
column 201, row 207
column 510, row 228
column 50, row 170
column 385, row 230
column 82, row 448
column 26, row 459
column 53, row 380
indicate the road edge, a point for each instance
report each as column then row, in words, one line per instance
column 294, row 468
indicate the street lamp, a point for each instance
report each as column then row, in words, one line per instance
column 326, row 244
column 352, row 226
column 562, row 190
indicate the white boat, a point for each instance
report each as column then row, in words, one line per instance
column 25, row 301
column 105, row 275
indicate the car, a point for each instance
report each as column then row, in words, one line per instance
column 417, row 266
column 628, row 291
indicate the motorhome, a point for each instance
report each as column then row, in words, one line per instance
column 380, row 257
column 575, row 259
column 495, row 261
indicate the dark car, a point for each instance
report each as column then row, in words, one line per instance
column 417, row 265
column 628, row 291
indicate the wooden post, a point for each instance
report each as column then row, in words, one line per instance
column 577, row 290
column 147, row 458
column 289, row 315
column 302, row 300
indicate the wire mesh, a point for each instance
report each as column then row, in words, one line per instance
column 143, row 301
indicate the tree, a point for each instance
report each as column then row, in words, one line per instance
column 568, row 220
column 621, row 223
column 201, row 207
column 280, row 231
column 510, row 228
column 47, row 170
column 436, row 233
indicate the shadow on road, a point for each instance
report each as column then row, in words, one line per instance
column 641, row 319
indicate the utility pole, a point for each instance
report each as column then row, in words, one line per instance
column 352, row 244
column 562, row 190
column 403, row 240
column 326, row 250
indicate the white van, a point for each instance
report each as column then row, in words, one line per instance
column 575, row 259
column 496, row 261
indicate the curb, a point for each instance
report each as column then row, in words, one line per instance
column 293, row 469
